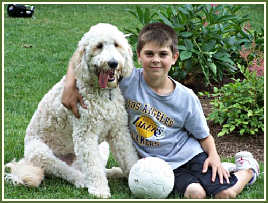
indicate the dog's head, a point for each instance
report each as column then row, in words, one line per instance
column 105, row 56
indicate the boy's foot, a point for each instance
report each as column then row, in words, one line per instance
column 229, row 166
column 244, row 160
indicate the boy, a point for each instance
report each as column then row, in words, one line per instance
column 166, row 120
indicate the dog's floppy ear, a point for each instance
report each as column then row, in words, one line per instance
column 80, row 54
column 79, row 61
column 127, row 70
column 77, row 56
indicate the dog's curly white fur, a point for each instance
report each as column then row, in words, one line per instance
column 59, row 143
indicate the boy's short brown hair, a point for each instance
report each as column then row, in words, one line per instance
column 159, row 33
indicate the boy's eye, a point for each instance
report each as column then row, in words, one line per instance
column 149, row 53
column 162, row 54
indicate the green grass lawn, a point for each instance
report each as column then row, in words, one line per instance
column 36, row 55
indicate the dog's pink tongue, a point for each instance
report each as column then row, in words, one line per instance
column 103, row 79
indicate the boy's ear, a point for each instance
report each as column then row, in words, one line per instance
column 138, row 55
column 175, row 57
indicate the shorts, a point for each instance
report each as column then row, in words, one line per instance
column 191, row 172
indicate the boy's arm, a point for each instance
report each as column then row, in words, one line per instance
column 213, row 159
column 70, row 95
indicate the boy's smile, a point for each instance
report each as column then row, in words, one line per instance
column 156, row 61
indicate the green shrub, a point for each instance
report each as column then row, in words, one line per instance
column 251, row 52
column 239, row 106
column 209, row 36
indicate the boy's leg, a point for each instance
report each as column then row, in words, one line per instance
column 195, row 191
column 243, row 176
column 189, row 178
column 247, row 172
column 190, row 182
column 187, row 185
column 195, row 166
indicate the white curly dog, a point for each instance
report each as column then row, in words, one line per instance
column 58, row 143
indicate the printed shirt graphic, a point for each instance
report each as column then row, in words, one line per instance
column 167, row 127
column 147, row 131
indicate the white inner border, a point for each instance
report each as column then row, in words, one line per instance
column 138, row 3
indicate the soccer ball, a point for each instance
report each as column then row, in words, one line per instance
column 151, row 178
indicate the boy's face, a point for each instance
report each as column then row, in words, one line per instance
column 156, row 60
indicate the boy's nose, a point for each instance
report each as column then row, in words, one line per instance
column 156, row 59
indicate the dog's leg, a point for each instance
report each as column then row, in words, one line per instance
column 114, row 172
column 123, row 149
column 104, row 149
column 88, row 154
column 41, row 155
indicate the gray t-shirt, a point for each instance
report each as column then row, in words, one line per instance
column 167, row 127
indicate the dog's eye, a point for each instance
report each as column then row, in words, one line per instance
column 116, row 45
column 99, row 46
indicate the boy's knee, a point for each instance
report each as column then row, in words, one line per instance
column 226, row 194
column 195, row 191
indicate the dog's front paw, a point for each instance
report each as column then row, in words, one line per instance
column 80, row 184
column 114, row 172
column 79, row 181
column 100, row 193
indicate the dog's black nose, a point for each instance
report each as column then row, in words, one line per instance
column 112, row 64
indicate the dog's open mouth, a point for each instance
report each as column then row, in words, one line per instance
column 105, row 77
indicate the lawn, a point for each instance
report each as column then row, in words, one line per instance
column 36, row 54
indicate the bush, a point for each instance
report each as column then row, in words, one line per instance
column 250, row 49
column 209, row 37
column 239, row 106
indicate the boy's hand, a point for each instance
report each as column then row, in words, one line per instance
column 215, row 163
column 70, row 98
